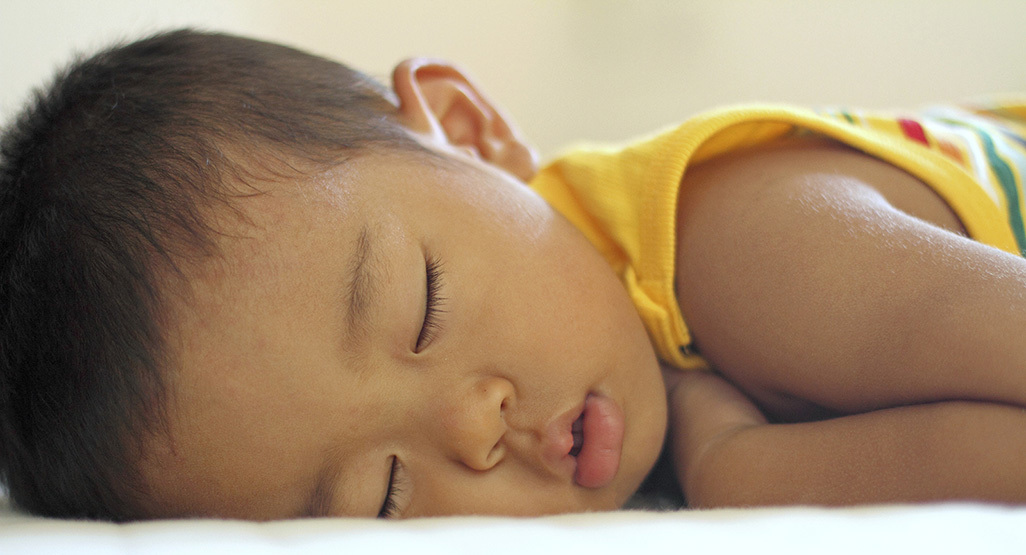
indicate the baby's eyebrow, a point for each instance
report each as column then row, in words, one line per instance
column 359, row 286
column 322, row 500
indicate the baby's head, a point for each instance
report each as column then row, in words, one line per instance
column 240, row 280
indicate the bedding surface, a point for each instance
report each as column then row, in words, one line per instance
column 946, row 528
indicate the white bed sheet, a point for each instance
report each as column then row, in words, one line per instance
column 946, row 528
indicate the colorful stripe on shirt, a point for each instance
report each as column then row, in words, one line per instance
column 987, row 141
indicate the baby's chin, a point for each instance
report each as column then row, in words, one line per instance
column 644, row 458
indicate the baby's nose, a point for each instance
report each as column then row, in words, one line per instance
column 473, row 422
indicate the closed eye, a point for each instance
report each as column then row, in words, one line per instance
column 390, row 508
column 432, row 303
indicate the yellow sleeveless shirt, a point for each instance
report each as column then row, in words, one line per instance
column 624, row 199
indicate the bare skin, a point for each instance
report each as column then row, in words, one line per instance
column 841, row 294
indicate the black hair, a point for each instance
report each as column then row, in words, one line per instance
column 106, row 183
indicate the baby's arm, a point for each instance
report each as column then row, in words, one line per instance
column 813, row 278
column 727, row 455
column 824, row 285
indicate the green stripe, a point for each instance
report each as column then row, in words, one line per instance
column 1007, row 181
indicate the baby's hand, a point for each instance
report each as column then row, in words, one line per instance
column 705, row 411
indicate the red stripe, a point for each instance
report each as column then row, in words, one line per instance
column 913, row 130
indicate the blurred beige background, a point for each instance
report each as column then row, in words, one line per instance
column 588, row 69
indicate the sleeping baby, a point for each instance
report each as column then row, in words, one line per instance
column 239, row 280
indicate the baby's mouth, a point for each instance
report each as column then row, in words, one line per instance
column 577, row 430
column 597, row 442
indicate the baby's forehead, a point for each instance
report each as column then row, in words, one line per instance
column 274, row 193
column 291, row 205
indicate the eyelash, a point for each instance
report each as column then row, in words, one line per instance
column 433, row 304
column 389, row 508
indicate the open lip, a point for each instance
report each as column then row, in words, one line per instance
column 600, row 438
column 577, row 433
column 558, row 441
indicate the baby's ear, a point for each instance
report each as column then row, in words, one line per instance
column 439, row 101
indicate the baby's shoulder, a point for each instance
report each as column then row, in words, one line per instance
column 820, row 165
